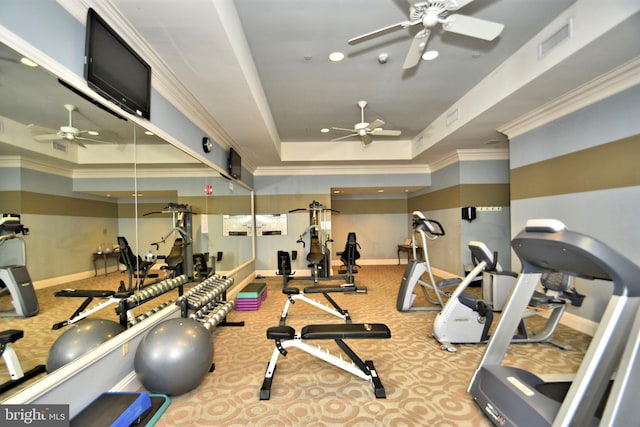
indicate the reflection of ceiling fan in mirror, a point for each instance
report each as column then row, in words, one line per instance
column 429, row 14
column 68, row 132
column 366, row 130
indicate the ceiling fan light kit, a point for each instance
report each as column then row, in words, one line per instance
column 429, row 14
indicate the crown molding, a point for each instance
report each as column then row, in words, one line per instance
column 608, row 84
column 19, row 162
column 469, row 155
column 126, row 172
column 149, row 173
column 341, row 170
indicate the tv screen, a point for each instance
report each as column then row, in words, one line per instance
column 234, row 164
column 114, row 70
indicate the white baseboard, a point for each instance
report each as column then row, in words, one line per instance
column 129, row 383
column 578, row 323
column 41, row 284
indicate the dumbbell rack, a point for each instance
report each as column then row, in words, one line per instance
column 145, row 295
column 207, row 302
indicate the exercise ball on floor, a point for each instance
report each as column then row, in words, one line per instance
column 174, row 357
column 79, row 339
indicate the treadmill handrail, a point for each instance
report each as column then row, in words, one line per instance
column 544, row 250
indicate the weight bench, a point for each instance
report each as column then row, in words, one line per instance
column 137, row 268
column 286, row 337
column 110, row 297
column 10, row 357
column 293, row 295
column 349, row 257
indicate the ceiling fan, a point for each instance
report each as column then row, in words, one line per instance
column 429, row 14
column 69, row 133
column 366, row 130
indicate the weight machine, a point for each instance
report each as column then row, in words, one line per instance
column 319, row 255
column 180, row 259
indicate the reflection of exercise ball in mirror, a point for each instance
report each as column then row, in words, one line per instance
column 174, row 357
column 79, row 339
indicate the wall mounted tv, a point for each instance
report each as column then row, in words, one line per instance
column 114, row 69
column 234, row 164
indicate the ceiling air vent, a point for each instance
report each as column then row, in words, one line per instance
column 453, row 116
column 555, row 39
column 58, row 146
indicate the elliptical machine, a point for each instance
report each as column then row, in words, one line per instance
column 466, row 319
column 14, row 277
column 426, row 229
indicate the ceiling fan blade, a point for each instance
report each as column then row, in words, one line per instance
column 375, row 124
column 366, row 139
column 343, row 129
column 91, row 140
column 385, row 132
column 382, row 31
column 472, row 27
column 418, row 45
column 48, row 137
column 456, row 4
column 344, row 137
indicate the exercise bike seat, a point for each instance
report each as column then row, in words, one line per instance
column 10, row 335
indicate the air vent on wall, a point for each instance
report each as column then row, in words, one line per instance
column 555, row 39
column 59, row 147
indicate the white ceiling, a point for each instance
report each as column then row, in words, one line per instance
column 259, row 70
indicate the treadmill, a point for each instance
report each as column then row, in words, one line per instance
column 605, row 388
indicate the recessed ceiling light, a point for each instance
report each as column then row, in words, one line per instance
column 325, row 130
column 336, row 56
column 28, row 62
column 148, row 132
column 93, row 133
column 430, row 55
column 381, row 191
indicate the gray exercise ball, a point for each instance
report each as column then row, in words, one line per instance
column 174, row 357
column 79, row 339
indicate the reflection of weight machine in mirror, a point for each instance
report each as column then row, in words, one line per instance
column 180, row 258
column 14, row 277
column 319, row 255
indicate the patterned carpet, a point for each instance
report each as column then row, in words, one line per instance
column 424, row 385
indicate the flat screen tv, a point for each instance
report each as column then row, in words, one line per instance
column 114, row 69
column 234, row 164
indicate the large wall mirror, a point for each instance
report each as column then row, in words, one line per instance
column 78, row 194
